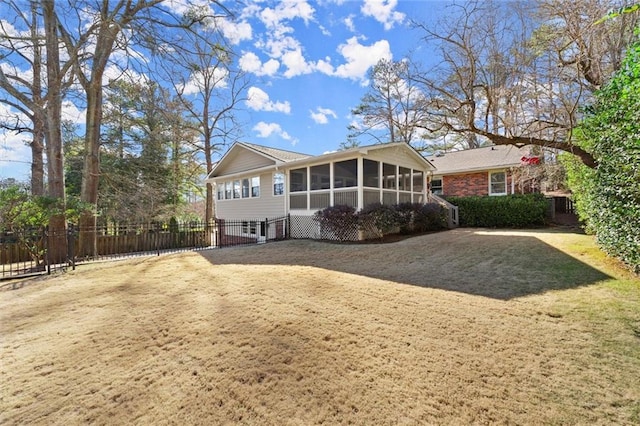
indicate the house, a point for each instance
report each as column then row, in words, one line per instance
column 491, row 170
column 254, row 181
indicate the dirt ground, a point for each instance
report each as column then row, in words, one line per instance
column 459, row 327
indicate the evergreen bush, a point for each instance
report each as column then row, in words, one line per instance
column 509, row 211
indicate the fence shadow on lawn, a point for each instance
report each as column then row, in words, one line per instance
column 491, row 263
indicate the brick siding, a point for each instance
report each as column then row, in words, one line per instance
column 469, row 184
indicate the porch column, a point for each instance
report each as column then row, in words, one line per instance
column 331, row 183
column 308, row 188
column 360, row 175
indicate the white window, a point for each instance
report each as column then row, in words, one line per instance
column 236, row 189
column 436, row 186
column 252, row 227
column 220, row 191
column 278, row 184
column 497, row 183
column 245, row 188
column 245, row 227
column 255, row 186
column 227, row 190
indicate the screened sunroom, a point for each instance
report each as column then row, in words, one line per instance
column 356, row 182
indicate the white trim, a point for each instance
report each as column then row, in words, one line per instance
column 273, row 183
column 506, row 188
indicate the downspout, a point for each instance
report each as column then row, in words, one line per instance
column 513, row 184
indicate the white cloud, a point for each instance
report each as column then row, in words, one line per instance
column 265, row 130
column 325, row 31
column 296, row 64
column 270, row 67
column 320, row 115
column 287, row 10
column 279, row 45
column 258, row 100
column 234, row 31
column 250, row 62
column 382, row 11
column 348, row 22
column 360, row 58
column 324, row 66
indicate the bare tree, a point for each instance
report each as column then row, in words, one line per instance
column 393, row 110
column 515, row 74
column 25, row 95
column 211, row 91
column 115, row 25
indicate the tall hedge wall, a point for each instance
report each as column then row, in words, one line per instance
column 510, row 211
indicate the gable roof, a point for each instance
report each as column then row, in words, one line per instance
column 280, row 157
column 335, row 155
column 485, row 158
column 272, row 156
column 276, row 154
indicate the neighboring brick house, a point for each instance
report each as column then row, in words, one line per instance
column 490, row 170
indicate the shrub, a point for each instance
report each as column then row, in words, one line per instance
column 429, row 217
column 377, row 220
column 405, row 217
column 511, row 211
column 384, row 218
column 417, row 217
column 341, row 220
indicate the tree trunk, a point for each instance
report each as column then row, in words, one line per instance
column 37, row 151
column 39, row 118
column 55, row 159
column 91, row 170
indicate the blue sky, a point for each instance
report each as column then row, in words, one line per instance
column 308, row 63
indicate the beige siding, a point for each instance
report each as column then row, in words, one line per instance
column 240, row 160
column 265, row 206
column 396, row 155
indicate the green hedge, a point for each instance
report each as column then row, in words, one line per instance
column 607, row 198
column 511, row 211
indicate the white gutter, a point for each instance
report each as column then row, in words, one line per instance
column 243, row 173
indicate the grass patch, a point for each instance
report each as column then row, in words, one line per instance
column 460, row 327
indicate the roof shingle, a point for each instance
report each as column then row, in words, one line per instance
column 485, row 158
column 276, row 154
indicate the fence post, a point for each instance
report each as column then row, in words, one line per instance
column 71, row 246
column 287, row 227
column 156, row 233
column 45, row 237
column 221, row 232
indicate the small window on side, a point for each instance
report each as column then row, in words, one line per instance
column 278, row 184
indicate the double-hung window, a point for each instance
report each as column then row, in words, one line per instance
column 278, row 184
column 255, row 186
column 436, row 186
column 497, row 183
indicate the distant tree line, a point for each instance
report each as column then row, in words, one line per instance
column 159, row 93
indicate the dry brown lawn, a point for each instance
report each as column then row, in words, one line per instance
column 460, row 327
